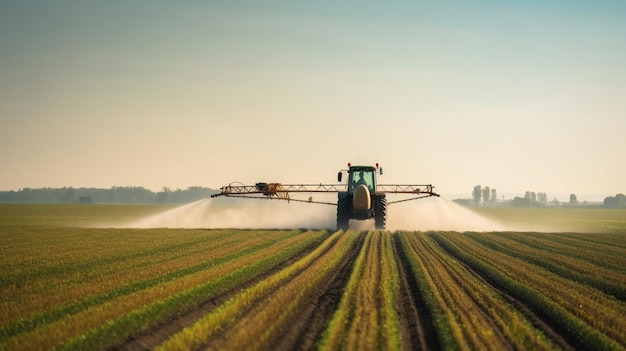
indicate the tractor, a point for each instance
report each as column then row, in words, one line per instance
column 360, row 198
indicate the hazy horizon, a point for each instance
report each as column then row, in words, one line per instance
column 517, row 96
column 502, row 196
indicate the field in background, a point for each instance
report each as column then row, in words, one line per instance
column 69, row 282
column 579, row 220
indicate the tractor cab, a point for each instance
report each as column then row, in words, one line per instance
column 358, row 175
column 361, row 175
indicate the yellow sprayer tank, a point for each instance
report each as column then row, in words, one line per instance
column 361, row 199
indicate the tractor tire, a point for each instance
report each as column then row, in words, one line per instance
column 344, row 207
column 380, row 213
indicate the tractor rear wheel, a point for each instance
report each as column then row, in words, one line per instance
column 380, row 212
column 343, row 212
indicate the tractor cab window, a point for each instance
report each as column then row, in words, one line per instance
column 361, row 177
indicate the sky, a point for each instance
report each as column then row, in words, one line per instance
column 515, row 95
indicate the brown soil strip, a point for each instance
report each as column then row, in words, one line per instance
column 414, row 326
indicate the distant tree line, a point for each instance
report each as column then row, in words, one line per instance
column 114, row 195
column 531, row 199
column 486, row 196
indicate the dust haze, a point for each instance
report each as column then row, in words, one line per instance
column 421, row 215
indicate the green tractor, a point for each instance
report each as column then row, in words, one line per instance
column 362, row 200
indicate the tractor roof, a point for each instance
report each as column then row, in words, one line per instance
column 362, row 168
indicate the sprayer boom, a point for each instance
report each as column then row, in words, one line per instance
column 281, row 191
column 278, row 189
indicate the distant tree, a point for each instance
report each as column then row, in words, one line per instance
column 555, row 202
column 617, row 201
column 620, row 199
column 542, row 198
column 85, row 200
column 163, row 197
column 520, row 202
column 69, row 196
column 476, row 194
column 572, row 199
column 531, row 199
column 486, row 194
column 494, row 195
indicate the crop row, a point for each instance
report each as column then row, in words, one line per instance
column 367, row 313
column 96, row 266
column 274, row 289
column 257, row 317
column 111, row 314
column 468, row 313
column 598, row 265
column 582, row 314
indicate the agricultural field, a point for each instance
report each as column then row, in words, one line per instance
column 69, row 282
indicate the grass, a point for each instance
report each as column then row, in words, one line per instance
column 580, row 220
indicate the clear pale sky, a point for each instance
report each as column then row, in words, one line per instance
column 515, row 95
